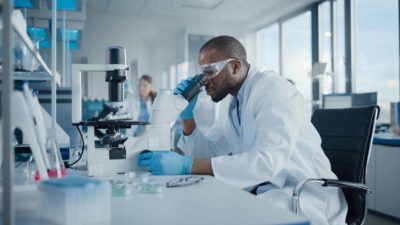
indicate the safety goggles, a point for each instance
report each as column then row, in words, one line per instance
column 213, row 69
column 184, row 181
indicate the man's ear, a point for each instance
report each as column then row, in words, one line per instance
column 237, row 65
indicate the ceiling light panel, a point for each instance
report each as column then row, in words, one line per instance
column 201, row 4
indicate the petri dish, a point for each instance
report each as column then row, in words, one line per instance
column 151, row 186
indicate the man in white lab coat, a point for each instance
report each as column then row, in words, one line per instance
column 263, row 141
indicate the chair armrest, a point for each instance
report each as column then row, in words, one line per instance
column 325, row 183
column 299, row 188
column 346, row 184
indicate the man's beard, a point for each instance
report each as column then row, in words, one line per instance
column 222, row 93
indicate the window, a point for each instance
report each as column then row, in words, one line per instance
column 268, row 50
column 297, row 52
column 377, row 51
column 338, row 70
column 325, row 20
column 341, row 57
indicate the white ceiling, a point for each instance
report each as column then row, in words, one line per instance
column 218, row 10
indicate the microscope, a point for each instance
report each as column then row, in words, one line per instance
column 104, row 130
column 109, row 151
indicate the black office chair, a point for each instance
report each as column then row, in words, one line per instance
column 346, row 140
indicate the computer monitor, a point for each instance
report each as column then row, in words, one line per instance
column 364, row 99
column 338, row 101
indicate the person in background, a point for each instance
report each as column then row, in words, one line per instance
column 144, row 101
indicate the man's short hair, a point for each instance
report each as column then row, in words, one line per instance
column 228, row 46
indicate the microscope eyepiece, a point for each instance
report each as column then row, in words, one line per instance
column 194, row 88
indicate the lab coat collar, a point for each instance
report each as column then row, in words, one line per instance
column 243, row 88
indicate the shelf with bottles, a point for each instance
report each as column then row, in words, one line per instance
column 28, row 63
column 35, row 76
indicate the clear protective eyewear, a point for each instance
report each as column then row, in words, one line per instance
column 213, row 69
column 183, row 181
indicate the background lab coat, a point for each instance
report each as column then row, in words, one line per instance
column 276, row 143
column 131, row 105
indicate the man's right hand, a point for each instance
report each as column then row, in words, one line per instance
column 187, row 113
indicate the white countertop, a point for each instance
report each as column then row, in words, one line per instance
column 208, row 202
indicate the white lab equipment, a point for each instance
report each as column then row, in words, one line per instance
column 75, row 201
column 275, row 142
column 27, row 116
column 55, row 164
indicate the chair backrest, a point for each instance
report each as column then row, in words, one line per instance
column 346, row 140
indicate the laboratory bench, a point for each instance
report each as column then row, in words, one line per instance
column 214, row 202
column 208, row 202
column 387, row 139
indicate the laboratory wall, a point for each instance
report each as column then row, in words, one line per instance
column 153, row 43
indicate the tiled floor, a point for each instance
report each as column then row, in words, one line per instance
column 377, row 220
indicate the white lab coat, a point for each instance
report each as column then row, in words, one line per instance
column 131, row 105
column 136, row 107
column 276, row 143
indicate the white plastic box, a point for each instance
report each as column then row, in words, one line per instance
column 75, row 201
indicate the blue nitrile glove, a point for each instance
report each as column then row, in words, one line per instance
column 187, row 113
column 166, row 163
